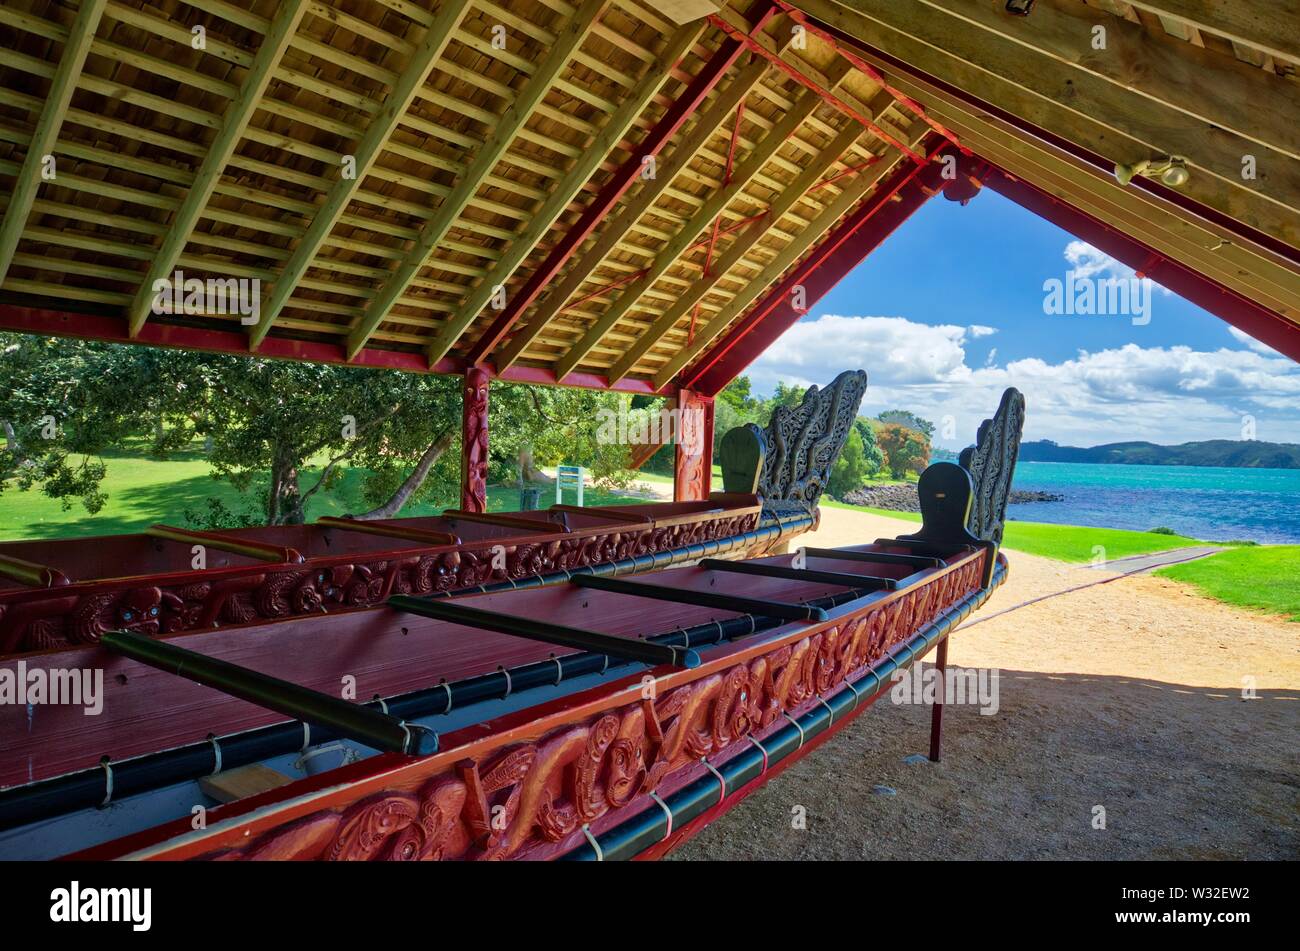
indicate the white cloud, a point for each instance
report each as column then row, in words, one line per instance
column 1162, row 394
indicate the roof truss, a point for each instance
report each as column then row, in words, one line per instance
column 439, row 185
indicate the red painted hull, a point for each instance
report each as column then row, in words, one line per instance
column 543, row 781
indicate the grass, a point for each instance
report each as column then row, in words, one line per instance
column 142, row 490
column 1073, row 543
column 1264, row 578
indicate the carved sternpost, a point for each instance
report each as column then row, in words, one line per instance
column 801, row 444
column 474, row 441
column 991, row 463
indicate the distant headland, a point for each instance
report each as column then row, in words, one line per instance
column 1224, row 453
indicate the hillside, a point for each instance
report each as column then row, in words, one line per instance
column 1228, row 453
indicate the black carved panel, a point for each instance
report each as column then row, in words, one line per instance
column 991, row 463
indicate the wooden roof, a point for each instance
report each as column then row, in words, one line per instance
column 438, row 184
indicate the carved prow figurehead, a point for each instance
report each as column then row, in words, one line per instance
column 789, row 463
column 965, row 503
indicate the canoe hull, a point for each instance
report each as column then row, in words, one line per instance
column 558, row 779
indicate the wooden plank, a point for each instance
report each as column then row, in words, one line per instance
column 1216, row 89
column 735, row 253
column 223, row 145
column 230, row 785
column 372, row 143
column 485, row 160
column 1270, row 25
column 687, row 235
column 684, row 11
column 617, row 228
column 64, row 82
column 1092, row 114
column 613, row 132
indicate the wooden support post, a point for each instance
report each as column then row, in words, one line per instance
column 474, row 441
column 936, row 711
column 694, row 468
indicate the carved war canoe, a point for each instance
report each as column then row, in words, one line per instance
column 66, row 593
column 545, row 753
column 578, row 714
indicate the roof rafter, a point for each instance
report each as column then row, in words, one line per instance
column 565, row 45
column 62, row 85
column 1070, row 101
column 855, row 190
column 1216, row 251
column 703, row 130
column 238, row 114
column 615, row 128
column 1255, row 104
column 372, row 143
column 856, row 236
column 733, row 255
column 1086, row 110
column 1271, row 25
column 804, row 107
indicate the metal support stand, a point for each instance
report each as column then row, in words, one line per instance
column 936, row 712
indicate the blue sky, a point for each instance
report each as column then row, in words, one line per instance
column 950, row 310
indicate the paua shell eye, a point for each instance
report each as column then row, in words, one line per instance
column 128, row 615
column 153, row 611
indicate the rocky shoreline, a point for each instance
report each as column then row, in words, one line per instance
column 903, row 498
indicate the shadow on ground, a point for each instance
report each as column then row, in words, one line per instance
column 1183, row 773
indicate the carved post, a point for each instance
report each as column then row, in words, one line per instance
column 694, row 468
column 474, row 441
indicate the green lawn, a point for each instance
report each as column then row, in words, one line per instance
column 1075, row 543
column 142, row 491
column 1266, row 578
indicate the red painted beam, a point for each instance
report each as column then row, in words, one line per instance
column 892, row 203
column 1265, row 325
column 62, row 323
column 729, row 51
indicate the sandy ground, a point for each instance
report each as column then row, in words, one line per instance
column 1125, row 695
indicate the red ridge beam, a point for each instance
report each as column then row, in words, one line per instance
column 682, row 109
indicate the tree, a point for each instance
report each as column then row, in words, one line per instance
column 872, row 458
column 905, row 449
column 850, row 470
column 280, row 432
column 790, row 395
column 905, row 417
column 738, row 395
column 65, row 402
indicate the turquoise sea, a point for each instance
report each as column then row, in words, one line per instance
column 1261, row 505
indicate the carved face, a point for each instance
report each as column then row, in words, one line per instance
column 139, row 610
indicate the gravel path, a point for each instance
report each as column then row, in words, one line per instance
column 1125, row 695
